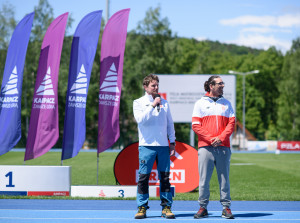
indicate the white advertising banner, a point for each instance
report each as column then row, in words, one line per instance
column 262, row 145
column 257, row 145
column 183, row 90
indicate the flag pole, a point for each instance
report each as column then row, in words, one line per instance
column 97, row 167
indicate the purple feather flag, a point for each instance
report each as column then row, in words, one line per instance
column 43, row 127
column 111, row 74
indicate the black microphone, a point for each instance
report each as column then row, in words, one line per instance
column 158, row 105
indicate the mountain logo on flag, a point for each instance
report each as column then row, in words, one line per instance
column 110, row 83
column 11, row 86
column 46, row 87
column 80, row 85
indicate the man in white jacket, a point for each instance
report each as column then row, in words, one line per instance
column 155, row 128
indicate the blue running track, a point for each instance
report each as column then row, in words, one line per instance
column 87, row 211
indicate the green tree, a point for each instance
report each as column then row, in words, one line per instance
column 269, row 63
column 183, row 55
column 7, row 26
column 146, row 52
column 261, row 90
column 42, row 19
column 272, row 95
column 289, row 100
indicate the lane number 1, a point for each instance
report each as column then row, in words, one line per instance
column 9, row 175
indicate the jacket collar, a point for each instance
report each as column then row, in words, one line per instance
column 149, row 97
column 212, row 98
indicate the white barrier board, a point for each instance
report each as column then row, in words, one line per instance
column 262, row 145
column 183, row 90
column 122, row 191
column 35, row 180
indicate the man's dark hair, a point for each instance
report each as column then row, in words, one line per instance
column 211, row 80
column 149, row 78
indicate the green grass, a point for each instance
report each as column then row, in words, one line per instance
column 262, row 177
column 84, row 165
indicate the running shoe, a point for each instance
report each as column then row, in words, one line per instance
column 202, row 213
column 226, row 213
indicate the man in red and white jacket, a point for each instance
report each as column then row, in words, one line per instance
column 213, row 121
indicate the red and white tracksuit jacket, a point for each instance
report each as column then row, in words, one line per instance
column 211, row 119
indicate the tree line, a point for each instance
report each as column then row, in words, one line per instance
column 272, row 95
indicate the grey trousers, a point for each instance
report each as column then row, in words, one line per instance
column 208, row 158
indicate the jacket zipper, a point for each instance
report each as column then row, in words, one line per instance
column 217, row 126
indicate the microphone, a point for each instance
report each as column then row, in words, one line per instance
column 158, row 105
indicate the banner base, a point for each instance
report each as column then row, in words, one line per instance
column 17, row 180
column 121, row 191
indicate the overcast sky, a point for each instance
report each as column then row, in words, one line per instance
column 255, row 23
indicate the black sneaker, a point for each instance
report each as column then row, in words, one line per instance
column 202, row 213
column 141, row 213
column 226, row 213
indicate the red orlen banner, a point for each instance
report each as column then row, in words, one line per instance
column 288, row 145
column 183, row 173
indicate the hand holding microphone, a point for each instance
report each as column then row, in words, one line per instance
column 157, row 102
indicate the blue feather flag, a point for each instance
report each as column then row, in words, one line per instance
column 11, row 89
column 83, row 52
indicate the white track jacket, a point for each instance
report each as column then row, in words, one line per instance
column 154, row 128
column 211, row 119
